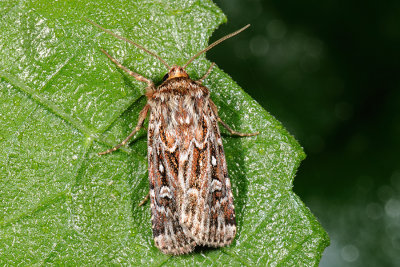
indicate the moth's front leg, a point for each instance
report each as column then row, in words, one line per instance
column 207, row 73
column 137, row 76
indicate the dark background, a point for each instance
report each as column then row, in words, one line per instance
column 329, row 71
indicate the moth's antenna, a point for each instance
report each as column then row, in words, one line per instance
column 129, row 41
column 215, row 43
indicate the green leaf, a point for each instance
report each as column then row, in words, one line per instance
column 62, row 101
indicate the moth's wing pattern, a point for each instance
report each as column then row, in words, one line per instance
column 207, row 211
column 190, row 192
column 164, row 191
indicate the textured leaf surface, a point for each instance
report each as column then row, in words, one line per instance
column 61, row 101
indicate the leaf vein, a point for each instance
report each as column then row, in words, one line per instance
column 42, row 101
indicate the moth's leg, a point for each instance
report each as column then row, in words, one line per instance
column 207, row 73
column 230, row 130
column 133, row 74
column 142, row 117
column 144, row 200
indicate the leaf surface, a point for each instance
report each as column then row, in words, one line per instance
column 62, row 101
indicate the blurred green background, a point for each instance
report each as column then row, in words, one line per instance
column 329, row 71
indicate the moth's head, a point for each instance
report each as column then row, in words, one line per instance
column 175, row 72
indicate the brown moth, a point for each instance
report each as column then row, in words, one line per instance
column 190, row 191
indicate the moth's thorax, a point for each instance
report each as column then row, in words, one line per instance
column 176, row 72
column 177, row 82
column 179, row 101
column 182, row 87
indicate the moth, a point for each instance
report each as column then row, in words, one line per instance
column 190, row 192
